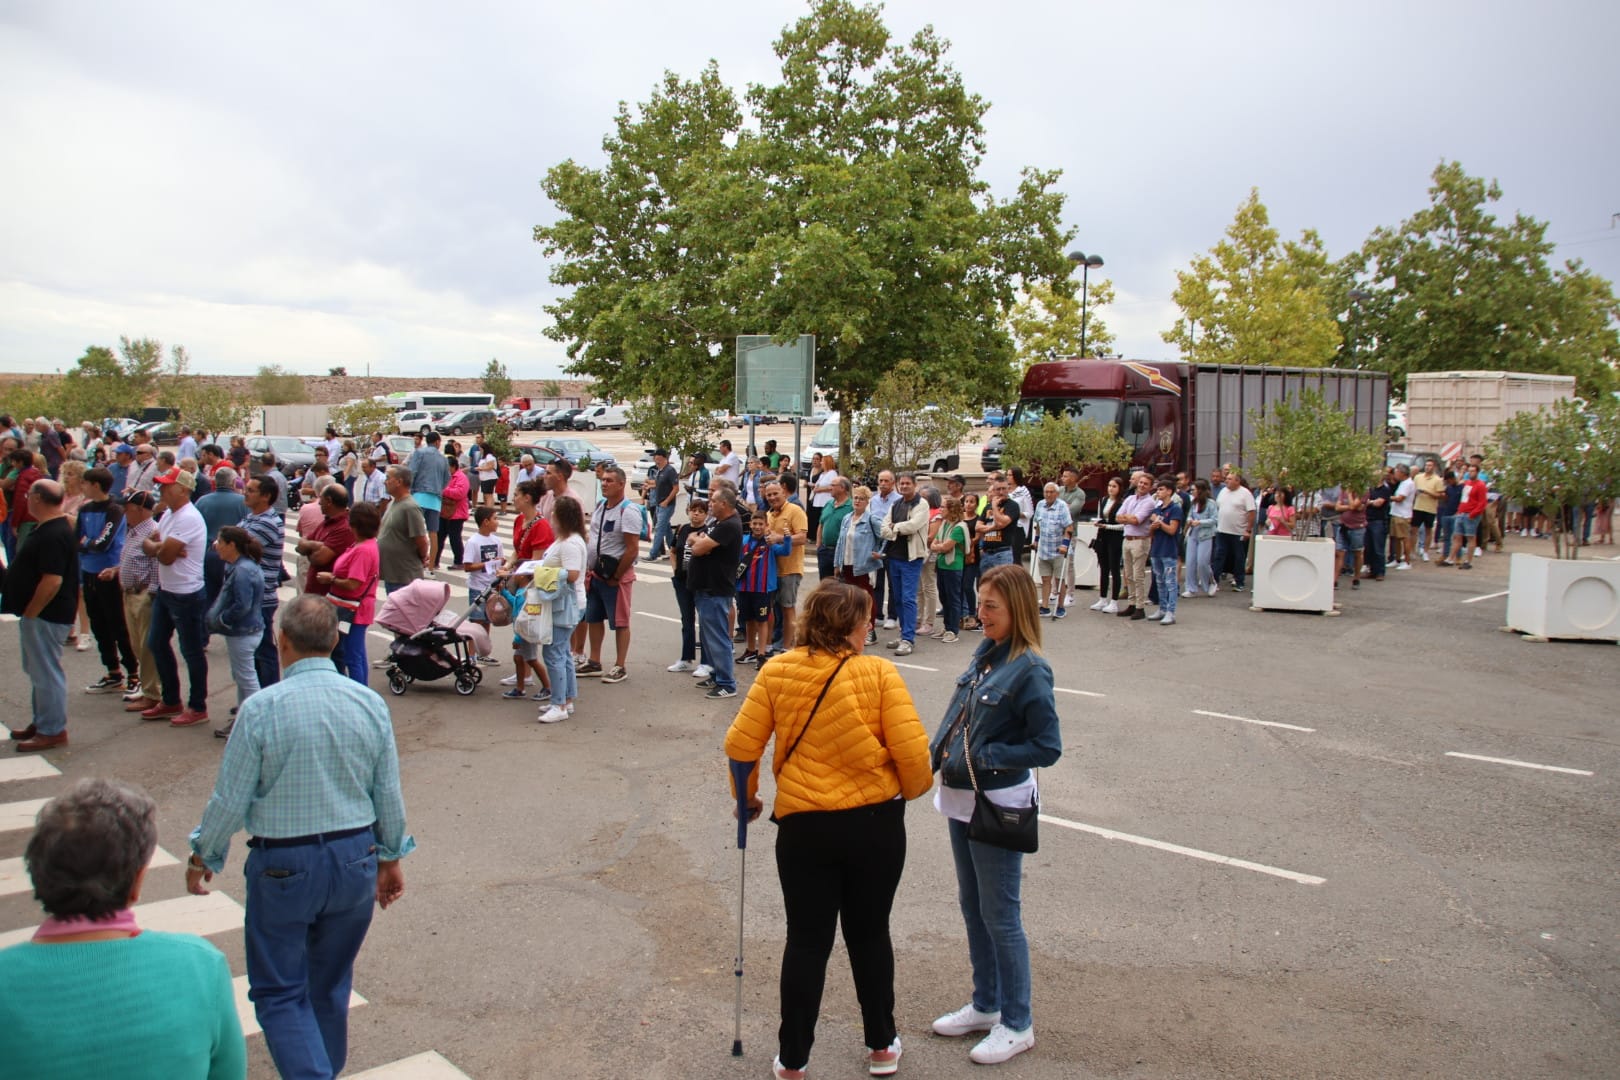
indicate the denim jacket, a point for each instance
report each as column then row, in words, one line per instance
column 1201, row 523
column 238, row 611
column 1013, row 721
column 868, row 538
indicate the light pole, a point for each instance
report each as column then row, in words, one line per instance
column 1087, row 263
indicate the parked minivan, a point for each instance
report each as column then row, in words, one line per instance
column 601, row 416
column 825, row 441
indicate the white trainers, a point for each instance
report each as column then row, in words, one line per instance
column 702, row 671
column 1168, row 620
column 1001, row 1044
column 966, row 1021
column 889, row 624
column 885, row 1062
column 554, row 714
column 1478, row 552
column 1423, row 552
column 1100, row 604
column 1213, row 589
column 1186, row 594
column 1111, row 608
column 510, row 680
column 681, row 665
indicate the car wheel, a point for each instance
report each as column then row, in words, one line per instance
column 425, row 431
column 455, row 431
column 590, row 425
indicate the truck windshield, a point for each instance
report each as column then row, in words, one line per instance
column 1104, row 411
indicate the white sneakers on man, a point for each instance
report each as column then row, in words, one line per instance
column 1100, row 604
column 1001, row 1044
column 681, row 665
column 965, row 1021
column 702, row 671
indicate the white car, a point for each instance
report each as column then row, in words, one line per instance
column 415, row 422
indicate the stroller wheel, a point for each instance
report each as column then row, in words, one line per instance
column 396, row 683
column 466, row 683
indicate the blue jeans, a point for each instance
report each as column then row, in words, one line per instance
column 308, row 910
column 213, row 575
column 988, row 881
column 266, row 660
column 714, row 626
column 355, row 660
column 824, row 562
column 683, row 601
column 243, row 672
column 1199, row 577
column 181, row 613
column 662, row 534
column 1164, row 576
column 987, row 559
column 950, row 597
column 431, row 517
column 8, row 540
column 560, row 665
column 41, row 644
column 905, row 575
column 1377, row 538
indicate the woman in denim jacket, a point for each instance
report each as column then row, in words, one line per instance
column 1005, row 698
column 1200, row 539
column 859, row 542
column 237, row 612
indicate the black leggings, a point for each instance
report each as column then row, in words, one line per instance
column 1110, row 563
column 451, row 530
column 838, row 865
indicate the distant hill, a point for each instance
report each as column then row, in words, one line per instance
column 336, row 389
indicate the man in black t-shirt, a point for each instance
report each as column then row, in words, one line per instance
column 997, row 530
column 711, row 576
column 42, row 590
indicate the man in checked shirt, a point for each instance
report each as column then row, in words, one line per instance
column 327, row 834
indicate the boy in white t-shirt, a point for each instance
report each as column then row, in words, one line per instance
column 484, row 558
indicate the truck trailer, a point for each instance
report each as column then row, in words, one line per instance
column 1177, row 415
column 1448, row 409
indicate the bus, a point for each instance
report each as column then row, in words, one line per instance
column 435, row 400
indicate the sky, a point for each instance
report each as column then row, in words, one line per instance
column 356, row 184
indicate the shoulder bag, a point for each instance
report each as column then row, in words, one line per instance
column 1014, row 828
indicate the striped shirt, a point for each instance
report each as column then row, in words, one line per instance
column 312, row 754
column 137, row 570
column 267, row 529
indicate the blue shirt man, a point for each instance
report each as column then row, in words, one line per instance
column 430, row 474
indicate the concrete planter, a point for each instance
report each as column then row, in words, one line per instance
column 1084, row 559
column 1577, row 599
column 1293, row 575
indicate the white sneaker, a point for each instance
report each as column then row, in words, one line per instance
column 966, row 1021
column 510, row 680
column 1168, row 620
column 1186, row 594
column 889, row 624
column 702, row 671
column 1002, row 1044
column 555, row 713
column 1100, row 604
column 1213, row 589
column 885, row 1062
column 1111, row 608
column 681, row 665
column 1478, row 552
column 1424, row 553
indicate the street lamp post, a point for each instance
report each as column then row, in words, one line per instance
column 1087, row 263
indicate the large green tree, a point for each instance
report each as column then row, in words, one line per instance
column 1046, row 322
column 1455, row 288
column 850, row 207
column 1254, row 299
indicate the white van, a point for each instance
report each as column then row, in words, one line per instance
column 942, row 460
column 601, row 416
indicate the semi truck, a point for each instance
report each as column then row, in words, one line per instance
column 1457, row 411
column 1177, row 415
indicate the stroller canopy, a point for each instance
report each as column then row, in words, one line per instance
column 410, row 610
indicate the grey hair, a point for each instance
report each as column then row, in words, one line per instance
column 843, row 484
column 725, row 495
column 310, row 623
column 224, row 478
column 89, row 846
column 617, row 472
column 401, row 473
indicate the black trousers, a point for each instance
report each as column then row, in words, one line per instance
column 838, row 866
column 104, row 603
column 1110, row 563
column 450, row 536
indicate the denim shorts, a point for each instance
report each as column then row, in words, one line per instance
column 1351, row 539
column 1463, row 525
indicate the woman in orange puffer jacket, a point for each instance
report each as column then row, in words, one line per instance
column 844, row 769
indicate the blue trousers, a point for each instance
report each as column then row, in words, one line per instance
column 714, row 626
column 266, row 660
column 684, row 601
column 988, row 884
column 662, row 534
column 355, row 660
column 182, row 614
column 308, row 910
column 559, row 664
column 41, row 644
column 950, row 597
column 905, row 576
column 1377, row 537
column 1164, row 576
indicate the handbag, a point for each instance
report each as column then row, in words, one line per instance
column 348, row 608
column 496, row 610
column 824, row 688
column 534, row 622
column 1015, row 828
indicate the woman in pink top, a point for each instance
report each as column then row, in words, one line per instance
column 353, row 582
column 453, row 514
column 1280, row 515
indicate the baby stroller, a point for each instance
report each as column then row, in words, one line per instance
column 429, row 642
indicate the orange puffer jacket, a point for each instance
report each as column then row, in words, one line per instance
column 865, row 745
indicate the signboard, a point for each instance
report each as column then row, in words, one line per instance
column 1451, row 452
column 776, row 379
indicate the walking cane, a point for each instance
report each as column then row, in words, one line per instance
column 740, row 771
column 1063, row 579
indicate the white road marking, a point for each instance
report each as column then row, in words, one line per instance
column 14, row 875
column 1520, row 764
column 1082, row 693
column 9, row 617
column 913, row 667
column 200, row 915
column 660, row 618
column 244, row 1007
column 1487, row 596
column 20, row 815
column 1177, row 849
column 429, row 1066
column 1246, row 720
column 32, row 767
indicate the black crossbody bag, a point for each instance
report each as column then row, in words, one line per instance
column 1015, row 828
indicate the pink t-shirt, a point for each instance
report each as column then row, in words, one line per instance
column 362, row 563
column 1279, row 519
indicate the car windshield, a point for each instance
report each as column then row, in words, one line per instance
column 1104, row 411
column 290, row 446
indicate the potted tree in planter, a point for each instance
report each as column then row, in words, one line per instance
column 1043, row 449
column 1313, row 446
column 1561, row 459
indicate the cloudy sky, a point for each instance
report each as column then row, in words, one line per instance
column 356, row 183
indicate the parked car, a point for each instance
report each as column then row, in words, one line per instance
column 291, row 454
column 1412, row 459
column 466, row 422
column 644, row 466
column 990, row 456
column 575, row 450
column 563, row 419
column 161, row 432
column 601, row 416
column 401, row 445
column 758, row 419
column 529, row 419
column 543, row 455
column 994, row 417
column 419, row 421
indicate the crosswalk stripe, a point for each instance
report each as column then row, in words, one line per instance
column 14, row 875
column 26, row 768
column 244, row 1007
column 200, row 915
column 429, row 1066
column 20, row 815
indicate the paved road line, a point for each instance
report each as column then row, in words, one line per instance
column 200, row 915
column 19, row 815
column 661, row 618
column 429, row 1066
column 1246, row 720
column 1177, row 849
column 14, row 875
column 1520, row 764
column 1082, row 693
column 913, row 667
column 32, row 767
column 1487, row 596
column 244, row 1007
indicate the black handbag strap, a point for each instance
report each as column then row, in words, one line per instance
column 824, row 688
